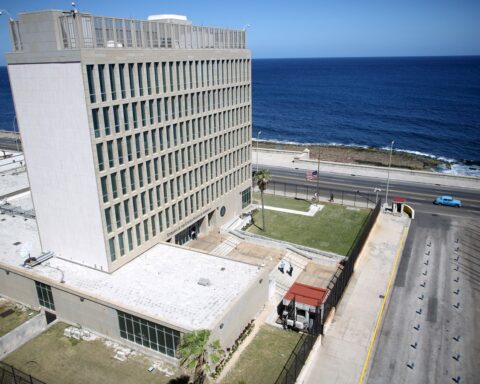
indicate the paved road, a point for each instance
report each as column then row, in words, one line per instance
column 419, row 195
column 431, row 332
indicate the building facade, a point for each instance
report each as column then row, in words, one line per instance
column 134, row 132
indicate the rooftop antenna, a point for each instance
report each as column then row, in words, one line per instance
column 26, row 249
column 4, row 11
column 74, row 8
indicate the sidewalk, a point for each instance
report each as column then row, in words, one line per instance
column 339, row 356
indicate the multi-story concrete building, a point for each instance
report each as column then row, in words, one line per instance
column 134, row 132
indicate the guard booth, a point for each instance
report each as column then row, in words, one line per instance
column 302, row 306
column 397, row 204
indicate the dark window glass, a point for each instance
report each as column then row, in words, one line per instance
column 45, row 297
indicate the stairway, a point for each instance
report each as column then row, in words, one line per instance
column 227, row 246
column 283, row 280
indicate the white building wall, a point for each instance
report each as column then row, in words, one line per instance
column 52, row 116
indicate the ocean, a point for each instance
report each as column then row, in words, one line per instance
column 427, row 105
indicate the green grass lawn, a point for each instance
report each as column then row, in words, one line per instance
column 18, row 317
column 333, row 229
column 263, row 360
column 54, row 358
column 282, row 202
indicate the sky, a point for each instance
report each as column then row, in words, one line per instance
column 306, row 28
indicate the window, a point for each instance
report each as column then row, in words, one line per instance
column 106, row 121
column 116, row 119
column 118, row 217
column 108, row 220
column 111, row 72
column 113, row 177
column 104, row 188
column 132, row 81
column 121, row 70
column 91, row 83
column 101, row 164
column 126, row 210
column 140, row 78
column 45, row 297
column 148, row 334
column 121, row 244
column 125, row 117
column 111, row 244
column 129, row 148
column 96, row 125
column 129, row 238
column 101, row 76
column 110, row 154
column 246, row 198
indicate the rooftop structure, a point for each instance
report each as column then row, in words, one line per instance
column 64, row 30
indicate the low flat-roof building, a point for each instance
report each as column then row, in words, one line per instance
column 169, row 289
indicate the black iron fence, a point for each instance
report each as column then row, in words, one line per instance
column 299, row 355
column 11, row 375
column 337, row 286
column 311, row 192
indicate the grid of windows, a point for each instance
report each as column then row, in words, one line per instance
column 148, row 334
column 45, row 297
column 174, row 139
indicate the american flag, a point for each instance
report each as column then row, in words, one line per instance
column 312, row 175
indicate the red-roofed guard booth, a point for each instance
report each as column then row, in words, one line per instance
column 302, row 304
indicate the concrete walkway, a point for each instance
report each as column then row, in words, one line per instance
column 312, row 210
column 342, row 354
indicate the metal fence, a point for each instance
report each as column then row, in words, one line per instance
column 310, row 192
column 299, row 355
column 337, row 286
column 11, row 375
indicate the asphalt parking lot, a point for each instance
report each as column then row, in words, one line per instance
column 431, row 333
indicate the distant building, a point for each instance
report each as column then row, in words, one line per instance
column 134, row 131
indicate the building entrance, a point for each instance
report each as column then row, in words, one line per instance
column 188, row 234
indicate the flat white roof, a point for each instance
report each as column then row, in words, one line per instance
column 162, row 283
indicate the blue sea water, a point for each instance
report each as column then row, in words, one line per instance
column 428, row 105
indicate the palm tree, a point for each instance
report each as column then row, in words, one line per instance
column 198, row 354
column 262, row 178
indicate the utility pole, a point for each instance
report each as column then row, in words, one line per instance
column 388, row 176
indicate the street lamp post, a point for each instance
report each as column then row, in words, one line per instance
column 388, row 176
column 258, row 138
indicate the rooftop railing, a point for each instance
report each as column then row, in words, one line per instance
column 78, row 30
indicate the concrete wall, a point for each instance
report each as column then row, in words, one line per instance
column 86, row 313
column 52, row 116
column 18, row 288
column 249, row 303
column 22, row 334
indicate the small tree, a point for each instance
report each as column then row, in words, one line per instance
column 262, row 178
column 197, row 354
